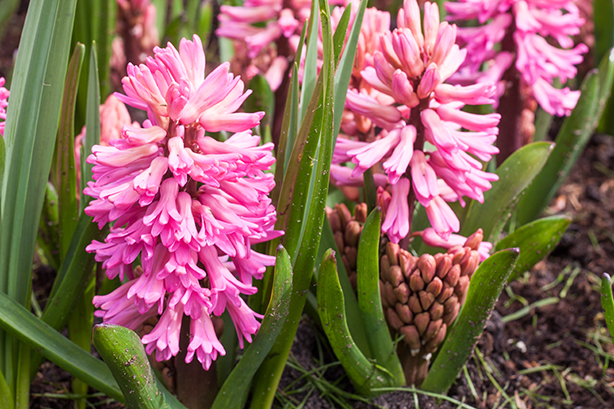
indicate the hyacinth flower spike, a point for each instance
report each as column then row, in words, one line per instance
column 426, row 144
column 4, row 96
column 188, row 205
column 518, row 41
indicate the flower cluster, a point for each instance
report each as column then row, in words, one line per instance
column 257, row 28
column 424, row 152
column 190, row 206
column 522, row 27
column 4, row 96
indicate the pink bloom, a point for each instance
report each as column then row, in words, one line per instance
column 396, row 222
column 431, row 238
column 4, row 96
column 188, row 205
column 538, row 61
column 410, row 67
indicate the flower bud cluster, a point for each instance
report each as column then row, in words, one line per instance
column 532, row 26
column 422, row 296
column 346, row 230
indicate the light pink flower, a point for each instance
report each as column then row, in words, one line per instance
column 431, row 238
column 4, row 96
column 410, row 67
column 538, row 61
column 190, row 206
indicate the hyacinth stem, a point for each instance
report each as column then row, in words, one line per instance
column 510, row 104
column 415, row 367
column 196, row 388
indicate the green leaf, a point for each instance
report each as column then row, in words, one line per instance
column 364, row 374
column 345, row 67
column 6, row 396
column 603, row 18
column 354, row 320
column 262, row 99
column 233, row 393
column 341, row 32
column 205, row 20
column 123, row 352
column 607, row 303
column 543, row 120
column 535, row 241
column 515, row 175
column 63, row 173
column 367, row 267
column 31, row 130
column 7, row 9
column 92, row 124
column 48, row 238
column 310, row 69
column 309, row 216
column 484, row 290
column 43, row 339
column 570, row 142
column 72, row 279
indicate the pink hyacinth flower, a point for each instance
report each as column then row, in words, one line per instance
column 190, row 206
column 4, row 96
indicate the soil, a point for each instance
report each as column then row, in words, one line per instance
column 557, row 355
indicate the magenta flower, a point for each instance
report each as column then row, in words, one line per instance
column 422, row 148
column 4, row 96
column 190, row 206
column 526, row 24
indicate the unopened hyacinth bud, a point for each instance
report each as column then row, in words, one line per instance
column 422, row 296
column 346, row 230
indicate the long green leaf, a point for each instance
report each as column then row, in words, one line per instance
column 370, row 302
column 364, row 374
column 261, row 99
column 310, row 70
column 603, row 18
column 63, row 174
column 30, row 134
column 92, row 123
column 535, row 241
column 345, row 67
column 123, row 352
column 607, row 303
column 341, row 32
column 48, row 239
column 515, row 175
column 570, row 141
column 354, row 319
column 72, row 279
column 311, row 217
column 484, row 290
column 19, row 322
column 233, row 393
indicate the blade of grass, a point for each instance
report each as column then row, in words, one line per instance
column 310, row 69
column 526, row 310
column 607, row 303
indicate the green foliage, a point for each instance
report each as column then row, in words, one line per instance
column 607, row 302
column 515, row 175
column 603, row 18
column 262, row 99
column 535, row 241
column 233, row 393
column 484, row 290
column 570, row 142
column 43, row 339
column 364, row 374
column 369, row 300
column 124, row 354
column 31, row 130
